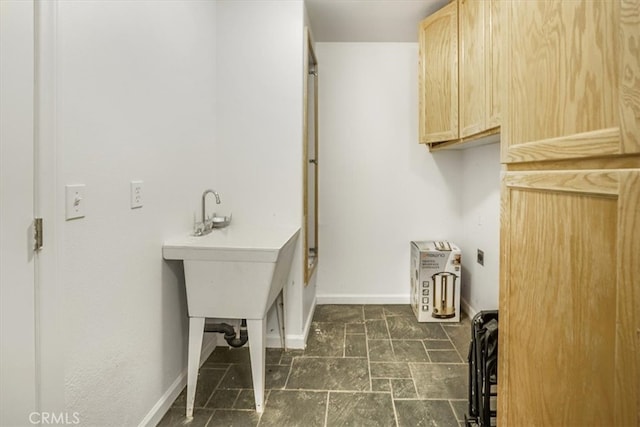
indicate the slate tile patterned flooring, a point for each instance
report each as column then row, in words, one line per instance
column 364, row 365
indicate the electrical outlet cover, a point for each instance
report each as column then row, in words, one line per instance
column 136, row 194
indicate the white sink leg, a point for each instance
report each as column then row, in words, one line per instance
column 196, row 330
column 257, row 329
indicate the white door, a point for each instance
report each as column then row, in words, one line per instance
column 18, row 377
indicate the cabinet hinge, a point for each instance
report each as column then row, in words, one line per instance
column 37, row 226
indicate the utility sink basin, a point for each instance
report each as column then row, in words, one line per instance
column 233, row 273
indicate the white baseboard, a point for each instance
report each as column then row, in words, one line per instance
column 466, row 307
column 381, row 299
column 166, row 400
column 273, row 341
column 307, row 324
column 362, row 299
column 293, row 341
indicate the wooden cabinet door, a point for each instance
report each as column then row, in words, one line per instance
column 473, row 84
column 572, row 79
column 570, row 217
column 493, row 67
column 570, row 298
column 438, row 76
column 480, row 68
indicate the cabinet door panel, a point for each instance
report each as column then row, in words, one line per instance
column 438, row 76
column 565, row 64
column 629, row 66
column 494, row 71
column 570, row 298
column 472, row 67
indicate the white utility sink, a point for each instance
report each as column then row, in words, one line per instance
column 235, row 273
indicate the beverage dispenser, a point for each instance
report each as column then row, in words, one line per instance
column 444, row 295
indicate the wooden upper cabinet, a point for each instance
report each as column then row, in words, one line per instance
column 572, row 80
column 459, row 72
column 493, row 67
column 479, row 66
column 438, row 76
column 570, row 214
column 473, row 82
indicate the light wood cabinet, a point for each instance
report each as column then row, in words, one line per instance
column 569, row 298
column 493, row 67
column 438, row 76
column 473, row 70
column 572, row 80
column 569, row 350
column 459, row 84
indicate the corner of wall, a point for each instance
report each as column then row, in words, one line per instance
column 480, row 226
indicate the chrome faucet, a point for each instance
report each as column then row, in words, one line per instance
column 207, row 225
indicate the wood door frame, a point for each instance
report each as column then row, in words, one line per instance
column 310, row 56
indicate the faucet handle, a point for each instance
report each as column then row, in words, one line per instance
column 198, row 228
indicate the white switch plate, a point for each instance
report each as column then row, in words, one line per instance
column 75, row 201
column 136, row 194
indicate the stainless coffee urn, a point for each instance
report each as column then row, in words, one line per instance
column 444, row 295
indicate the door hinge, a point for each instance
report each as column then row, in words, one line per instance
column 37, row 226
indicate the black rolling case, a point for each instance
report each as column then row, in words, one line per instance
column 483, row 370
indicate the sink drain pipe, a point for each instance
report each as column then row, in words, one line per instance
column 229, row 332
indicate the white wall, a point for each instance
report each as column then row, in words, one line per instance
column 190, row 95
column 135, row 101
column 259, row 125
column 183, row 96
column 379, row 189
column 480, row 226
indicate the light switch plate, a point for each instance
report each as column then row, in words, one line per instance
column 136, row 194
column 75, row 201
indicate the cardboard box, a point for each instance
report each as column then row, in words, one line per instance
column 435, row 281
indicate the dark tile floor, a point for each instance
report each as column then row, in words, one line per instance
column 364, row 365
